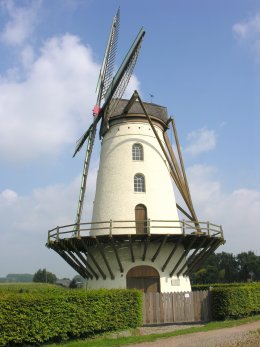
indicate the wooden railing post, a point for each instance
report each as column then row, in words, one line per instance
column 221, row 231
column 58, row 234
column 183, row 227
column 208, row 229
column 110, row 227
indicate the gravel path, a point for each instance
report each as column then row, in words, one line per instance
column 227, row 337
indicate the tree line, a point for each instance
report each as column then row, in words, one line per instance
column 227, row 268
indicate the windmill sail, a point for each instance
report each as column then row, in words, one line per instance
column 110, row 90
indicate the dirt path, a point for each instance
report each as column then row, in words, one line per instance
column 236, row 336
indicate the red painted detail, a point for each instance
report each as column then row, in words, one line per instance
column 96, row 110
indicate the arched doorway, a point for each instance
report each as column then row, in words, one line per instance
column 141, row 219
column 144, row 278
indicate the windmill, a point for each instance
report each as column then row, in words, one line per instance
column 135, row 238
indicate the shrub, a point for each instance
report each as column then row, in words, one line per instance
column 235, row 302
column 222, row 285
column 34, row 318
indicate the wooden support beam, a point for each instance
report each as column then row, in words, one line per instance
column 175, row 164
column 182, row 256
column 84, row 260
column 63, row 254
column 159, row 248
column 77, row 260
column 182, row 163
column 131, row 249
column 206, row 255
column 145, row 247
column 105, row 259
column 116, row 254
column 192, row 255
column 177, row 244
column 89, row 254
column 173, row 173
column 184, row 212
column 198, row 257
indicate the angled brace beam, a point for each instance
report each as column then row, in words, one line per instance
column 105, row 259
column 159, row 248
column 182, row 256
column 198, row 257
column 184, row 212
column 183, row 169
column 84, row 260
column 131, row 249
column 145, row 247
column 75, row 266
column 206, row 255
column 192, row 255
column 174, row 175
column 172, row 253
column 77, row 261
column 89, row 254
column 116, row 254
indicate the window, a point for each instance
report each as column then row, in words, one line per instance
column 137, row 152
column 139, row 183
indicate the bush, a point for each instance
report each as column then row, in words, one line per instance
column 223, row 285
column 34, row 318
column 235, row 302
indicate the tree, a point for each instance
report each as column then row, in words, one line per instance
column 249, row 266
column 43, row 276
column 225, row 267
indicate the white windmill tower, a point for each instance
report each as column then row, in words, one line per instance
column 135, row 238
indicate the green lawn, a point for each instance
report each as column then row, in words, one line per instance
column 108, row 341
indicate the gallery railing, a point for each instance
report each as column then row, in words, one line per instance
column 121, row 227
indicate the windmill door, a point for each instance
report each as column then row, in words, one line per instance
column 144, row 278
column 141, row 219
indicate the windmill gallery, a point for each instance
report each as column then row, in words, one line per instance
column 136, row 238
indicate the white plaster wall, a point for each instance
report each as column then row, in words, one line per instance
column 167, row 283
column 115, row 197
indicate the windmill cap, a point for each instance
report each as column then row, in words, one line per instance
column 158, row 114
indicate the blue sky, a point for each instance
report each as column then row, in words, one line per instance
column 200, row 59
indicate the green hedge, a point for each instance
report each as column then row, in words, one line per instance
column 235, row 302
column 222, row 285
column 35, row 318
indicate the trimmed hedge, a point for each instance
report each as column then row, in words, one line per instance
column 35, row 318
column 235, row 302
column 222, row 285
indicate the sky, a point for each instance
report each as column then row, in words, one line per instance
column 200, row 59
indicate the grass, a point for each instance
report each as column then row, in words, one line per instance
column 108, row 341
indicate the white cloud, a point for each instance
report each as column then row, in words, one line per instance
column 26, row 219
column 21, row 23
column 52, row 106
column 199, row 141
column 249, row 32
column 248, row 29
column 237, row 211
column 8, row 196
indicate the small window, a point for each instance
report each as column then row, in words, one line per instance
column 137, row 152
column 139, row 183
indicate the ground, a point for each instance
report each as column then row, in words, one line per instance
column 244, row 335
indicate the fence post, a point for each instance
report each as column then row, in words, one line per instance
column 110, row 227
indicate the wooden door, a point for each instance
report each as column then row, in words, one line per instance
column 144, row 278
column 141, row 219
